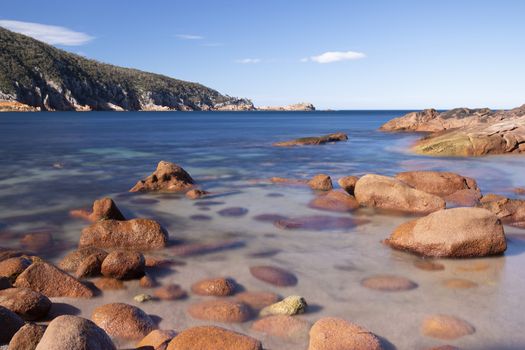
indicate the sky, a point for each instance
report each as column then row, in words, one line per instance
column 336, row 54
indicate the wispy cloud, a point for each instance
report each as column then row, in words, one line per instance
column 335, row 56
column 53, row 35
column 189, row 37
column 248, row 60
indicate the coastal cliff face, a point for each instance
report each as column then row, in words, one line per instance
column 303, row 107
column 46, row 78
column 465, row 132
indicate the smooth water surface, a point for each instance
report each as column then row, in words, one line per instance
column 51, row 163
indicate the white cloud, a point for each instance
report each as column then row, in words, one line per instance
column 335, row 56
column 248, row 60
column 53, row 35
column 189, row 37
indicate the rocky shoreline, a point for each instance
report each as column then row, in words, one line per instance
column 464, row 132
column 452, row 219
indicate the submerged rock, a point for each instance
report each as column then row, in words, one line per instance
column 321, row 182
column 196, row 194
column 258, row 300
column 27, row 337
column 219, row 287
column 274, row 275
column 139, row 234
column 211, row 337
column 449, row 186
column 318, row 223
column 26, row 303
column 52, row 282
column 103, row 209
column 336, row 201
column 388, row 283
column 10, row 323
column 226, row 311
column 290, row 306
column 287, row 181
column 123, row 321
column 168, row 177
column 455, row 233
column 170, row 292
column 330, row 333
column 446, row 327
column 282, row 326
column 122, row 265
column 233, row 212
column 388, row 193
column 315, row 140
column 109, row 284
column 72, row 332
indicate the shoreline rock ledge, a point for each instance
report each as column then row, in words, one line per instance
column 313, row 140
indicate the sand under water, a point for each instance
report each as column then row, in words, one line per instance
column 54, row 162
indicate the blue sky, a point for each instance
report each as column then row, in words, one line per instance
column 382, row 54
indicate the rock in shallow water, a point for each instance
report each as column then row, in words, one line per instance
column 72, row 332
column 219, row 287
column 446, row 327
column 226, row 311
column 213, row 338
column 388, row 283
column 318, row 223
column 347, row 183
column 274, row 275
column 314, row 140
column 233, row 212
column 124, row 321
column 321, row 182
column 157, row 339
column 52, row 282
column 27, row 304
column 103, row 209
column 336, row 201
column 258, row 300
column 170, row 292
column 510, row 211
column 282, row 326
column 168, row 177
column 388, row 193
column 13, row 267
column 74, row 259
column 139, row 234
column 122, row 265
column 290, row 306
column 27, row 337
column 456, row 233
column 332, row 333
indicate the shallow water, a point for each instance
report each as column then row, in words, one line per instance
column 51, row 163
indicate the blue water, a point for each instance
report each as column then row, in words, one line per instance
column 51, row 163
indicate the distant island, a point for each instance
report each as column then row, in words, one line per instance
column 35, row 76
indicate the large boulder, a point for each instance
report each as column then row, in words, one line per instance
column 449, row 186
column 509, row 211
column 212, row 338
column 103, row 209
column 169, row 177
column 385, row 192
column 75, row 333
column 138, row 234
column 26, row 303
column 123, row 321
column 314, row 140
column 52, row 282
column 27, row 337
column 10, row 323
column 332, row 333
column 455, row 233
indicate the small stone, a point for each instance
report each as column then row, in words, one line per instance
column 258, row 300
column 388, row 283
column 321, row 182
column 201, row 217
column 457, row 283
column 52, row 282
column 27, row 337
column 196, row 194
column 219, row 287
column 72, row 261
column 124, row 321
column 103, row 209
column 428, row 265
column 122, row 265
column 147, row 281
column 226, row 311
column 170, row 292
column 157, row 339
column 10, row 323
column 212, row 338
column 336, row 201
column 347, row 183
column 283, row 326
column 154, row 261
column 290, row 306
column 330, row 333
column 233, row 212
column 269, row 217
column 13, row 267
column 274, row 275
column 105, row 283
column 27, row 304
column 142, row 298
column 446, row 327
column 72, row 333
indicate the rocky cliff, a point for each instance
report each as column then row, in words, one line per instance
column 303, row 107
column 46, row 78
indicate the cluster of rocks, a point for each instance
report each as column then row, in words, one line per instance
column 465, row 132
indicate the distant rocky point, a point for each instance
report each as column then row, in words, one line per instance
column 464, row 132
column 303, row 106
